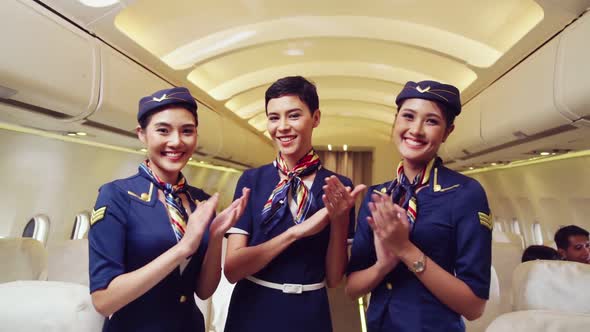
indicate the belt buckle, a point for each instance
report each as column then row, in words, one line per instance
column 292, row 288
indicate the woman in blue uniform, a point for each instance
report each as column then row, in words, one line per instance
column 423, row 243
column 151, row 248
column 291, row 240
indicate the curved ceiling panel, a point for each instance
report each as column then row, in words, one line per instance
column 290, row 52
column 232, row 87
column 418, row 35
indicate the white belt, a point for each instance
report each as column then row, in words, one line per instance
column 288, row 288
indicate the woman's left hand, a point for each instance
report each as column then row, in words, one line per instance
column 339, row 199
column 390, row 223
column 228, row 217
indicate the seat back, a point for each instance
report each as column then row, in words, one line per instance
column 22, row 259
column 552, row 285
column 505, row 258
column 493, row 306
column 68, row 261
column 47, row 306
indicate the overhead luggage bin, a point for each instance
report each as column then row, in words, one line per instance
column 573, row 71
column 57, row 72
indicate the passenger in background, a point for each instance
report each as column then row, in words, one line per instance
column 423, row 242
column 291, row 240
column 573, row 244
column 539, row 252
column 152, row 246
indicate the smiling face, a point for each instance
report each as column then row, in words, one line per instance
column 290, row 124
column 578, row 249
column 170, row 138
column 419, row 130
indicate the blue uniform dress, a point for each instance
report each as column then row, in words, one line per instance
column 255, row 308
column 130, row 228
column 453, row 229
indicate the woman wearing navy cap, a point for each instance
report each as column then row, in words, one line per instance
column 151, row 248
column 291, row 240
column 423, row 243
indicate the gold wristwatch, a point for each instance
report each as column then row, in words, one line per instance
column 419, row 265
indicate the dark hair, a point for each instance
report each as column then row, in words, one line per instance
column 449, row 116
column 562, row 236
column 539, row 252
column 144, row 121
column 297, row 86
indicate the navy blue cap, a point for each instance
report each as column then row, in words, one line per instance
column 159, row 99
column 445, row 94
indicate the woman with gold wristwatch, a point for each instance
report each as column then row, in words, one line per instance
column 423, row 242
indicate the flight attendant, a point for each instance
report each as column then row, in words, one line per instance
column 291, row 240
column 151, row 244
column 423, row 243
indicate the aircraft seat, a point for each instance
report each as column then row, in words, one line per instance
column 548, row 296
column 47, row 306
column 68, row 261
column 492, row 307
column 22, row 259
column 505, row 258
column 552, row 285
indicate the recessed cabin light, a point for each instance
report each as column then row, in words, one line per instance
column 471, row 167
column 294, row 52
column 81, row 133
column 143, row 150
column 72, row 134
column 544, row 153
column 345, row 147
column 190, row 159
column 98, row 3
column 494, row 164
column 329, row 147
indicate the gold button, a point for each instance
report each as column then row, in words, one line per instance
column 182, row 299
column 388, row 285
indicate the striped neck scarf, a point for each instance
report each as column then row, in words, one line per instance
column 277, row 202
column 178, row 215
column 401, row 189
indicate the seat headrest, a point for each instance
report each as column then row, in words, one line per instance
column 551, row 285
column 68, row 261
column 22, row 259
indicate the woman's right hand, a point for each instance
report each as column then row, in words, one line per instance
column 198, row 222
column 386, row 260
column 312, row 225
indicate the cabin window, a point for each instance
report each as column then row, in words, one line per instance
column 537, row 233
column 515, row 227
column 37, row 228
column 498, row 224
column 81, row 226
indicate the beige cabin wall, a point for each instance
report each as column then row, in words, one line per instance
column 61, row 179
column 552, row 193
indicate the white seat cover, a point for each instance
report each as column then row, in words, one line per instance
column 47, row 306
column 552, row 285
column 540, row 320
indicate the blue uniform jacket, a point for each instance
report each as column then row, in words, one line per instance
column 256, row 308
column 453, row 228
column 130, row 227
